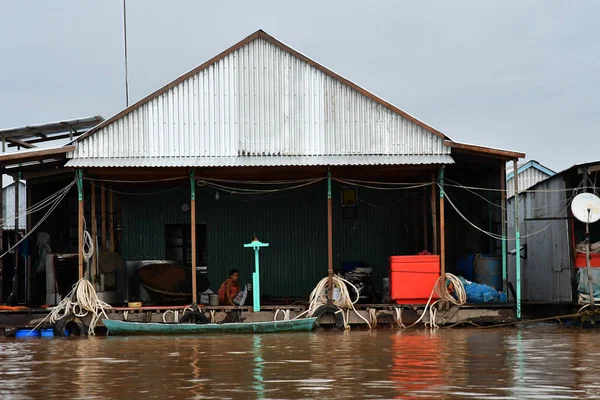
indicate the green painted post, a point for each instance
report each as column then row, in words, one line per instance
column 256, row 245
column 517, row 238
column 79, row 185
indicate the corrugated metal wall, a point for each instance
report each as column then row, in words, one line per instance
column 8, row 206
column 259, row 101
column 294, row 223
column 527, row 179
column 546, row 272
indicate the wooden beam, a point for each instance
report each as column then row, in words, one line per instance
column 424, row 210
column 103, row 214
column 33, row 155
column 2, row 216
column 503, row 222
column 27, row 228
column 193, row 231
column 16, row 253
column 94, row 263
column 329, row 240
column 442, row 240
column 111, row 222
column 506, row 154
column 80, row 226
column 20, row 143
column 434, row 230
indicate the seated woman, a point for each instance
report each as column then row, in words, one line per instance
column 229, row 289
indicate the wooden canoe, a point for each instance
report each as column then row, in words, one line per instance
column 124, row 327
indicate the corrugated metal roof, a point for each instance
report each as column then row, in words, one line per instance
column 265, row 101
column 258, row 161
column 527, row 178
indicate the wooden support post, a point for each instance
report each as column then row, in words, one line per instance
column 2, row 217
column 103, row 214
column 111, row 223
column 94, row 264
column 434, row 230
column 425, row 233
column 193, row 229
column 80, row 222
column 503, row 222
column 16, row 253
column 27, row 228
column 442, row 236
column 329, row 240
column 517, row 238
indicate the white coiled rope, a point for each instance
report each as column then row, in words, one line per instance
column 88, row 243
column 318, row 298
column 461, row 298
column 286, row 314
column 585, row 300
column 81, row 301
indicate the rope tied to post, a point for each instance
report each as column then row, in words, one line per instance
column 342, row 299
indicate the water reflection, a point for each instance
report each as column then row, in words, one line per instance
column 537, row 362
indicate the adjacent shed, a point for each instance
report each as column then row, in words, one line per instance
column 550, row 235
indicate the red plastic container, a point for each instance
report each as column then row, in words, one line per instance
column 412, row 278
column 581, row 263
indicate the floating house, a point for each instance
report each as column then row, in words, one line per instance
column 262, row 141
column 551, row 251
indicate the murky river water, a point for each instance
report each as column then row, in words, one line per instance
column 541, row 362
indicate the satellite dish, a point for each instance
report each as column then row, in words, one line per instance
column 586, row 207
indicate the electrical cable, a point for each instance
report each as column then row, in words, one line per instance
column 52, row 208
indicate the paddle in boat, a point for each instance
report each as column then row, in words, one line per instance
column 124, row 327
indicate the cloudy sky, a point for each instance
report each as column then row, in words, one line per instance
column 522, row 75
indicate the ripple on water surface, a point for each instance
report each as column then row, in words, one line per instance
column 538, row 362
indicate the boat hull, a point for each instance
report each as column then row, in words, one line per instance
column 123, row 327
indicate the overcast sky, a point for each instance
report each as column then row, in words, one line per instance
column 521, row 75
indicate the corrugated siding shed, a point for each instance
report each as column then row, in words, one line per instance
column 260, row 105
column 546, row 273
column 8, row 206
column 294, row 223
column 527, row 179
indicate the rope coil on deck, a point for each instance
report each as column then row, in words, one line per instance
column 286, row 314
column 461, row 298
column 318, row 298
column 81, row 301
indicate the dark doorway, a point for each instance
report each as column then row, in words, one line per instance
column 178, row 239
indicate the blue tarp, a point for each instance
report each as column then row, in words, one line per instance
column 480, row 293
column 583, row 281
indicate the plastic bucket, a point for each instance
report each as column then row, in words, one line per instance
column 213, row 299
column 26, row 333
column 488, row 270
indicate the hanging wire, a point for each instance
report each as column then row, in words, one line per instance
column 250, row 192
column 52, row 208
column 458, row 185
column 38, row 206
column 140, row 193
column 490, row 234
column 368, row 185
column 285, row 182
column 137, row 180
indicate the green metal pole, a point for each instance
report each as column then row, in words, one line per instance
column 256, row 245
column 256, row 281
column 503, row 221
column 517, row 238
